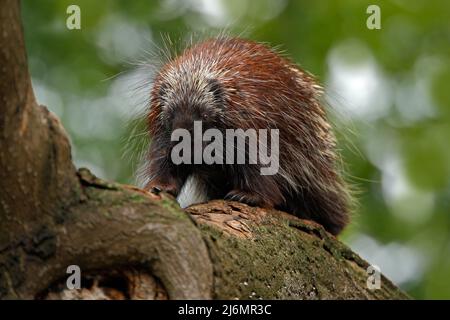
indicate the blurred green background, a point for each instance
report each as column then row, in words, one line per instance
column 389, row 92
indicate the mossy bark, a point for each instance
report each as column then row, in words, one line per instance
column 53, row 216
column 267, row 254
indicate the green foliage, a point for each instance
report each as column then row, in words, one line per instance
column 395, row 146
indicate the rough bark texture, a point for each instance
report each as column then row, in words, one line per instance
column 130, row 243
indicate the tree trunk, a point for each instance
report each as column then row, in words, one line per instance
column 133, row 244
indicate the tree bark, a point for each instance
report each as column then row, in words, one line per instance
column 133, row 244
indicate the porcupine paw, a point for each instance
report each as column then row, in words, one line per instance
column 252, row 199
column 157, row 187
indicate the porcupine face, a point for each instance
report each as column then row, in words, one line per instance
column 187, row 100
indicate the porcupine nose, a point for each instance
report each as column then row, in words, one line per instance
column 183, row 120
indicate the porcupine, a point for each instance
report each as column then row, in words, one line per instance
column 236, row 83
